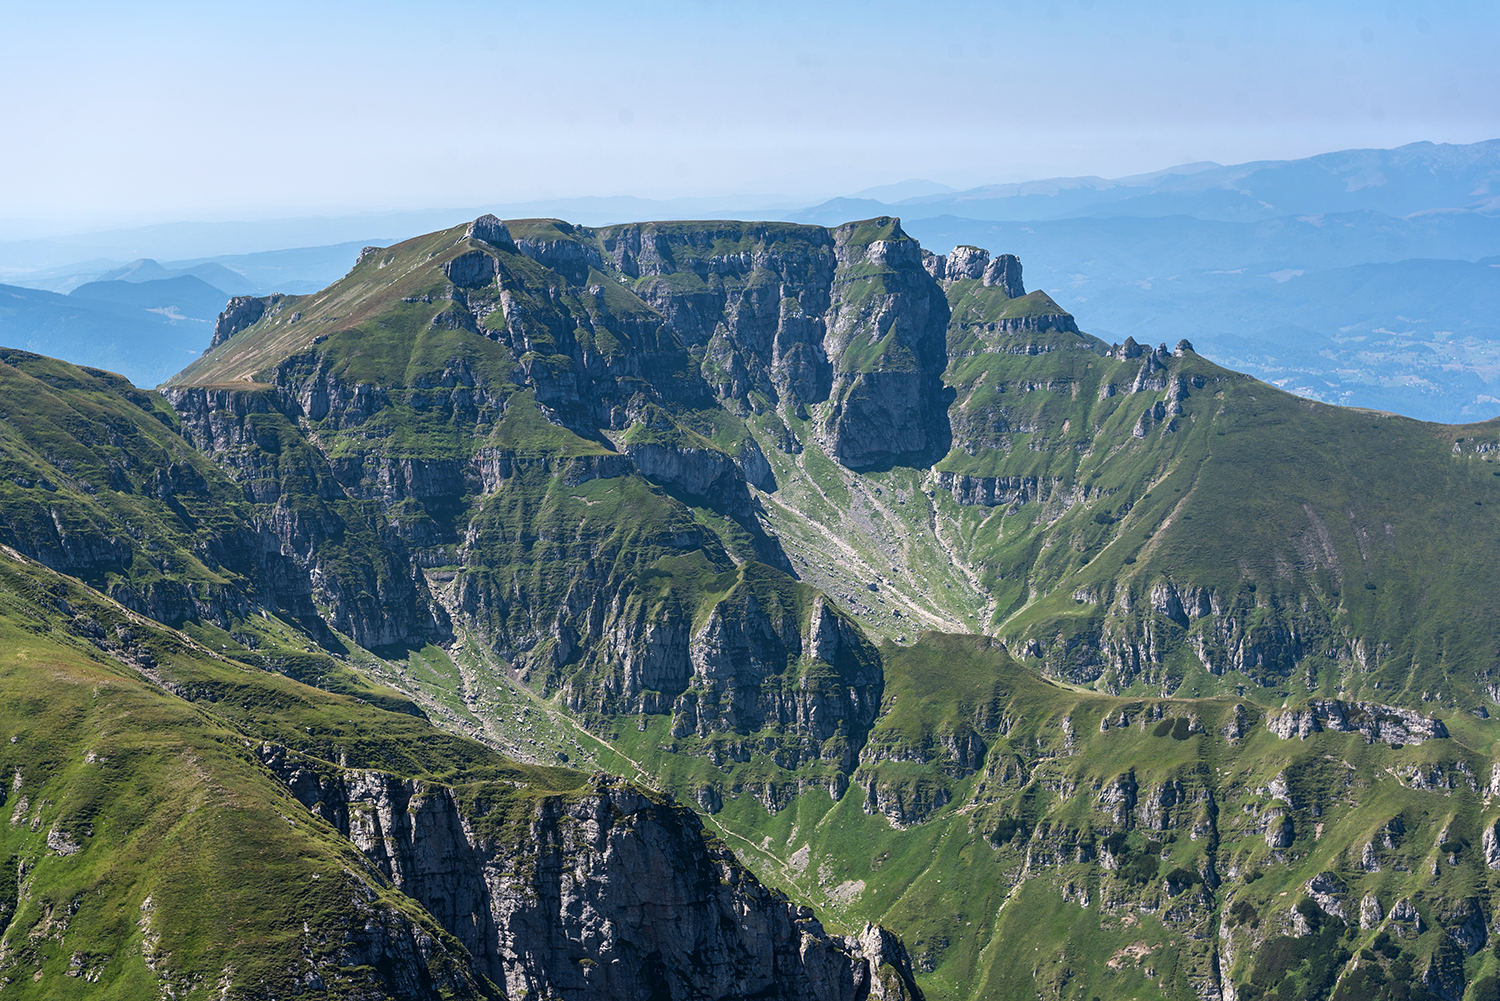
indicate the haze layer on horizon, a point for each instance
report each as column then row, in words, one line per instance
column 166, row 111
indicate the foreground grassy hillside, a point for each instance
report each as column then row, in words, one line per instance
column 149, row 849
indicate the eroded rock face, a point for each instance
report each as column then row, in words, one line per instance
column 608, row 893
column 966, row 262
column 241, row 312
column 491, row 230
column 700, row 472
column 1328, row 891
column 1464, row 921
column 1372, row 720
column 472, row 270
column 1005, row 272
column 738, row 667
column 805, row 316
column 379, row 599
column 887, row 342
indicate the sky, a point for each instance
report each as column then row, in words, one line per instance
column 130, row 114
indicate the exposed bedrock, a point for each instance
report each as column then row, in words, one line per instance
column 605, row 893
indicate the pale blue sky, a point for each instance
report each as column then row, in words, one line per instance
column 162, row 111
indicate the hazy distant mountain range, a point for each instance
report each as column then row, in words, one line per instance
column 1292, row 270
column 146, row 319
column 1420, row 177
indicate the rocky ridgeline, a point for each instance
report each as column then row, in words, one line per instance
column 1390, row 724
column 798, row 316
column 608, row 893
column 966, row 262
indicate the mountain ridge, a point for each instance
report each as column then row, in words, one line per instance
column 1346, row 180
column 1100, row 649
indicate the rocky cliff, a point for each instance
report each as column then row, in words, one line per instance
column 606, row 893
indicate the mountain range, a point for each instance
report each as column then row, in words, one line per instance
column 1265, row 266
column 1417, row 178
column 736, row 610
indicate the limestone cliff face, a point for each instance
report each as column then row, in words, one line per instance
column 1261, row 636
column 752, row 297
column 1389, row 724
column 823, row 704
column 363, row 524
column 611, row 893
column 239, row 313
column 887, row 340
column 762, row 671
column 846, row 320
column 1004, row 272
column 351, row 558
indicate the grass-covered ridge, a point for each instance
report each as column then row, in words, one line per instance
column 153, row 849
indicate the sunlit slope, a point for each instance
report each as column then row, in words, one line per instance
column 1151, row 519
column 630, row 473
column 150, row 850
column 1034, row 840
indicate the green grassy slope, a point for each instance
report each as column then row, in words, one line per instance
column 148, row 848
column 94, row 480
column 1025, row 882
column 1340, row 550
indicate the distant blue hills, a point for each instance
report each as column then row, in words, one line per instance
column 145, row 319
column 144, row 343
column 184, row 297
column 1419, row 177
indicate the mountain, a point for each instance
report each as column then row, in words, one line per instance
column 183, row 297
column 148, row 344
column 1418, row 177
column 1084, row 668
column 210, row 273
column 235, row 813
column 144, row 318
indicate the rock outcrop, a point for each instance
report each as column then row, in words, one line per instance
column 845, row 319
column 241, row 313
column 886, row 341
column 967, row 262
column 607, row 893
column 1373, row 721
